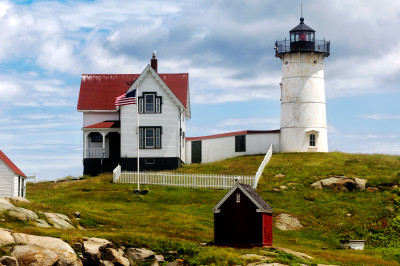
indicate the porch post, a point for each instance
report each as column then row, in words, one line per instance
column 85, row 140
column 104, row 142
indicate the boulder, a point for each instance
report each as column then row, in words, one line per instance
column 46, row 242
column 345, row 185
column 287, row 222
column 340, row 183
column 5, row 205
column 114, row 256
column 138, row 254
column 23, row 214
column 61, row 223
column 92, row 248
column 177, row 262
column 279, row 176
column 63, row 216
column 8, row 261
column 317, row 185
column 34, row 255
column 331, row 181
column 19, row 200
column 41, row 223
column 360, row 183
column 6, row 236
column 18, row 215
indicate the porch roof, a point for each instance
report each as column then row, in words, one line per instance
column 105, row 124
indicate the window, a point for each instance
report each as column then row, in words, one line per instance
column 150, row 103
column 312, row 140
column 150, row 137
column 237, row 197
column 240, row 143
column 149, row 161
column 96, row 137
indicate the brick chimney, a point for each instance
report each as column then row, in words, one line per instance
column 153, row 62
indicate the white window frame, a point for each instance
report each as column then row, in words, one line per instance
column 149, row 104
column 237, row 197
column 144, row 141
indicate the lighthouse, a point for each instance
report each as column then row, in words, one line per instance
column 303, row 109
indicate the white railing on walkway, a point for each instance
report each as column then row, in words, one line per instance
column 262, row 165
column 189, row 180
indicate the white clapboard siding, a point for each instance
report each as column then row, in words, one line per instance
column 91, row 118
column 220, row 148
column 168, row 119
column 6, row 181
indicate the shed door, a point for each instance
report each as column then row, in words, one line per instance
column 196, row 151
column 267, row 229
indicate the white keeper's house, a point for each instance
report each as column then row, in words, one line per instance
column 12, row 179
column 110, row 132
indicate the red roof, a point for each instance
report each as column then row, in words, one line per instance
column 245, row 132
column 98, row 91
column 10, row 164
column 105, row 124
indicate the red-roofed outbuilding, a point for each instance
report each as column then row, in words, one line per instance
column 12, row 179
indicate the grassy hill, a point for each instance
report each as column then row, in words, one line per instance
column 179, row 219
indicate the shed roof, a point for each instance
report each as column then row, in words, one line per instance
column 98, row 91
column 10, row 164
column 105, row 124
column 236, row 133
column 250, row 193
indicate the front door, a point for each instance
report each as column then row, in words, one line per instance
column 115, row 145
column 196, row 151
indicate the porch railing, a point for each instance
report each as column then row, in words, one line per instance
column 189, row 180
column 95, row 153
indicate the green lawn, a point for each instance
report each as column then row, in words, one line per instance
column 179, row 218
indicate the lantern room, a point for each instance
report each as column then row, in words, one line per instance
column 302, row 39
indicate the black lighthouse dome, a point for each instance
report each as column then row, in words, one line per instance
column 302, row 39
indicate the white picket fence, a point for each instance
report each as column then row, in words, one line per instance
column 209, row 181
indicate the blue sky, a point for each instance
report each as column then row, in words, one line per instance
column 225, row 46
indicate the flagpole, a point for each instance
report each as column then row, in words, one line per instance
column 138, row 136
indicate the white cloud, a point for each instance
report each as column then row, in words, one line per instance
column 380, row 116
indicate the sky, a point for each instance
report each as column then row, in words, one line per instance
column 226, row 46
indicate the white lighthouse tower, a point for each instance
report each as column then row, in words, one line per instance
column 303, row 111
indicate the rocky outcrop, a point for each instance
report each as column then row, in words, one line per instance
column 340, row 183
column 60, row 221
column 287, row 222
column 57, row 220
column 92, row 248
column 138, row 254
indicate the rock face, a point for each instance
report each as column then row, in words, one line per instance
column 42, row 250
column 287, row 222
column 6, row 237
column 340, row 183
column 60, row 221
column 138, row 254
column 92, row 249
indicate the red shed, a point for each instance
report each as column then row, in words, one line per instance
column 242, row 218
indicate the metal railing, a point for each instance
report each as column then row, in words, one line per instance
column 209, row 181
column 320, row 46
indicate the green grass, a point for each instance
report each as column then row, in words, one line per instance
column 179, row 219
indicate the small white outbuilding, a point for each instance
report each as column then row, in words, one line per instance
column 12, row 179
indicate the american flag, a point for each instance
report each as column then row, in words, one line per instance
column 126, row 98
